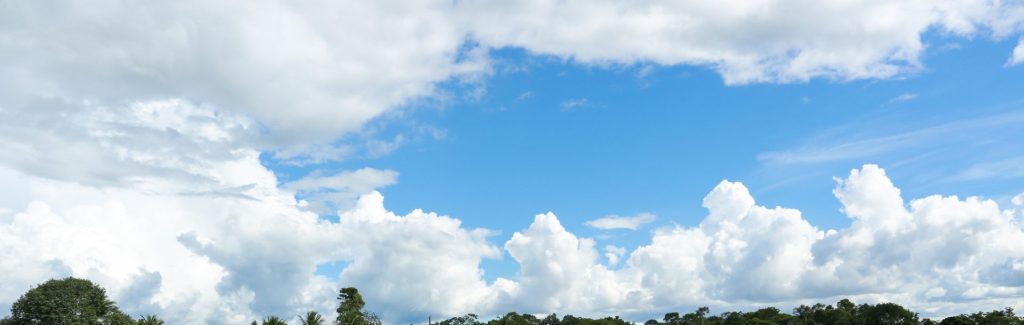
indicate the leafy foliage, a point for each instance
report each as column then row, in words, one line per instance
column 350, row 309
column 70, row 301
column 78, row 301
column 312, row 318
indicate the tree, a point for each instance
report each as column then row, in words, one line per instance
column 149, row 320
column 312, row 318
column 350, row 309
column 468, row 319
column 889, row 313
column 670, row 318
column 68, row 300
column 273, row 320
column 701, row 312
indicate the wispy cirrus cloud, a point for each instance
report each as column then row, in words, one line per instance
column 846, row 143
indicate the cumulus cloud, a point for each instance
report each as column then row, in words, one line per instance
column 1018, row 54
column 939, row 254
column 228, row 243
column 205, row 257
column 308, row 72
column 621, row 222
column 774, row 41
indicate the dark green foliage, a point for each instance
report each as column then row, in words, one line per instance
column 350, row 309
column 67, row 301
column 468, row 319
column 77, row 301
column 149, row 320
column 995, row 317
column 312, row 318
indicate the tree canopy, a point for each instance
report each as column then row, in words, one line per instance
column 79, row 301
column 70, row 301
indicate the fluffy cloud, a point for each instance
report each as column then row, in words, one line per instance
column 215, row 258
column 745, row 41
column 938, row 254
column 227, row 243
column 620, row 222
column 307, row 72
column 1018, row 54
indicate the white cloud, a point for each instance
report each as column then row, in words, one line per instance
column 1008, row 168
column 306, row 73
column 327, row 194
column 1018, row 54
column 250, row 249
column 1018, row 200
column 761, row 41
column 841, row 143
column 621, row 222
column 614, row 254
column 559, row 272
column 903, row 98
column 941, row 255
column 227, row 243
column 574, row 103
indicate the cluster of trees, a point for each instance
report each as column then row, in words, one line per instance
column 78, row 301
column 845, row 312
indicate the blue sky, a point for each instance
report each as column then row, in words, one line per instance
column 222, row 161
column 585, row 142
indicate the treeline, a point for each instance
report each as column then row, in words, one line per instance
column 844, row 312
column 78, row 301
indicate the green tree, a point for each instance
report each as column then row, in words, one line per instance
column 350, row 309
column 149, row 320
column 312, row 318
column 514, row 318
column 468, row 319
column 68, row 300
column 671, row 318
column 889, row 313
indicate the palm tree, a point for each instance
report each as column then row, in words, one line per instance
column 312, row 318
column 149, row 320
column 273, row 320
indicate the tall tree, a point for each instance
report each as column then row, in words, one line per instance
column 350, row 309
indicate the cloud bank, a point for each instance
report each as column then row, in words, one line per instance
column 230, row 258
column 307, row 72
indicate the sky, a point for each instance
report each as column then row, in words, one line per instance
column 218, row 161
